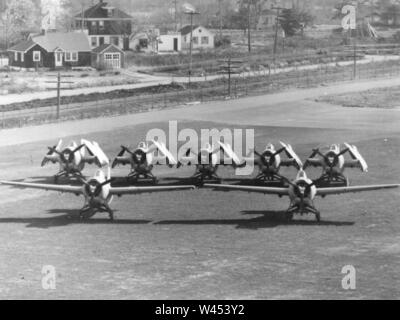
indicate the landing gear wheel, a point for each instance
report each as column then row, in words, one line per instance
column 318, row 217
column 289, row 216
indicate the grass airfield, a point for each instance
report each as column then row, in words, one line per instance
column 204, row 244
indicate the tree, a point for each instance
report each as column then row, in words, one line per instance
column 293, row 20
column 20, row 17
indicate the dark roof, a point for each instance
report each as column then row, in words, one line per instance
column 68, row 41
column 23, row 46
column 106, row 46
column 186, row 29
column 99, row 11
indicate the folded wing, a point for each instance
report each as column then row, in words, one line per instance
column 164, row 150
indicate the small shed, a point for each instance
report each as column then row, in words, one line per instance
column 108, row 56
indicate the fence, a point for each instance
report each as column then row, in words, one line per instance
column 259, row 82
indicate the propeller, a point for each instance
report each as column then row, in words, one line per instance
column 187, row 153
column 98, row 188
column 61, row 154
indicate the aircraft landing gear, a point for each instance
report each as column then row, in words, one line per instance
column 289, row 216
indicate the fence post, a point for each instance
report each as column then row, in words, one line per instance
column 165, row 100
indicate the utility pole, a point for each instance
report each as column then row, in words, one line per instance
column 276, row 28
column 190, row 11
column 354, row 55
column 176, row 14
column 220, row 17
column 59, row 82
column 249, row 25
column 83, row 17
column 230, row 66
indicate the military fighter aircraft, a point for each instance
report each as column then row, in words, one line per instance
column 72, row 159
column 333, row 164
column 142, row 160
column 208, row 160
column 301, row 192
column 97, row 191
column 269, row 162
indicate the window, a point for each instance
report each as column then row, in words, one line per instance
column 101, row 41
column 94, row 24
column 204, row 40
column 93, row 41
column 108, row 56
column 101, row 24
column 36, row 56
column 143, row 43
column 195, row 40
column 71, row 56
column 116, row 56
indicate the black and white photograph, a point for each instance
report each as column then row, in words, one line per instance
column 199, row 150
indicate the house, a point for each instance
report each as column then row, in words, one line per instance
column 51, row 50
column 3, row 59
column 108, row 56
column 169, row 43
column 202, row 37
column 105, row 24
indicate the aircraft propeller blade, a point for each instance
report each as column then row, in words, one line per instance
column 78, row 148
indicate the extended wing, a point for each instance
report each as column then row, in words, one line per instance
column 48, row 187
column 339, row 190
column 265, row 190
column 168, row 155
column 135, row 190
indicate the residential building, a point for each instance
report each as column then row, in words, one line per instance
column 108, row 56
column 202, row 38
column 105, row 24
column 51, row 50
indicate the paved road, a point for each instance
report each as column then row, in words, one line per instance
column 150, row 80
column 266, row 110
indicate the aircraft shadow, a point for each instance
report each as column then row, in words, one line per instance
column 268, row 219
column 69, row 217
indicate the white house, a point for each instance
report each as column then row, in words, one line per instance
column 202, row 37
column 169, row 43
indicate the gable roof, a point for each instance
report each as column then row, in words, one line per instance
column 186, row 29
column 23, row 46
column 106, row 46
column 68, row 41
column 99, row 11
